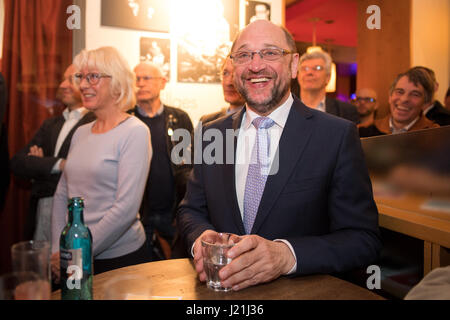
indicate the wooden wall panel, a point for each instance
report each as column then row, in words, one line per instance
column 383, row 53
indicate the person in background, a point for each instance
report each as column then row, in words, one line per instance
column 366, row 104
column 313, row 211
column 43, row 159
column 232, row 97
column 107, row 164
column 447, row 99
column 435, row 111
column 313, row 77
column 410, row 92
column 166, row 183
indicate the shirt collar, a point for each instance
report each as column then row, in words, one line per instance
column 143, row 113
column 404, row 129
column 74, row 114
column 229, row 111
column 321, row 105
column 428, row 109
column 279, row 115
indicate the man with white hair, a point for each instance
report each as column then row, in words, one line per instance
column 313, row 77
column 166, row 181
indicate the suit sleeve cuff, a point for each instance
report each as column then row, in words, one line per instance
column 294, row 268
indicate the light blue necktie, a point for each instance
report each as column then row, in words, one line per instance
column 258, row 171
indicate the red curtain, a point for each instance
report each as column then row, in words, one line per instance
column 37, row 48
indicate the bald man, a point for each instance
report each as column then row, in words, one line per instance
column 313, row 212
column 366, row 104
column 166, row 181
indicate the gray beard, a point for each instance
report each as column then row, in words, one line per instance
column 270, row 103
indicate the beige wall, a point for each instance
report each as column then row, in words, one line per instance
column 430, row 34
column 196, row 99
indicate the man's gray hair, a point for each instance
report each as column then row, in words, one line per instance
column 318, row 55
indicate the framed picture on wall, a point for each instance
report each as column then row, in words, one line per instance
column 157, row 51
column 256, row 10
column 148, row 15
column 204, row 40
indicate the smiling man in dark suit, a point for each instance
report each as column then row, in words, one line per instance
column 42, row 159
column 313, row 211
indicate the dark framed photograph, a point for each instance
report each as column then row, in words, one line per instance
column 148, row 15
column 156, row 51
column 256, row 10
column 201, row 51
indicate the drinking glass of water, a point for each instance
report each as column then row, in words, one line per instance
column 215, row 249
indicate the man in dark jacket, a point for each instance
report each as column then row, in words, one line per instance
column 435, row 111
column 313, row 77
column 43, row 158
column 166, row 182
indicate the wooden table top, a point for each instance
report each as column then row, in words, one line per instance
column 405, row 214
column 177, row 279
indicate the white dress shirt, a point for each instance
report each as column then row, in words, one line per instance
column 321, row 106
column 245, row 141
column 401, row 130
column 72, row 118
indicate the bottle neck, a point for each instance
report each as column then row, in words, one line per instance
column 76, row 216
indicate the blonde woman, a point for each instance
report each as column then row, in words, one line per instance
column 107, row 165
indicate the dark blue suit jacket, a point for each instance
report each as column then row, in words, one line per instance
column 320, row 200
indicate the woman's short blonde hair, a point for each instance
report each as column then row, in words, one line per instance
column 108, row 60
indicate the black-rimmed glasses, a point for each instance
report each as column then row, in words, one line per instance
column 365, row 99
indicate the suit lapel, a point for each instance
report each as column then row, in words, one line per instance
column 229, row 176
column 292, row 143
column 64, row 150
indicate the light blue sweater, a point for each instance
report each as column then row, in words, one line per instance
column 109, row 170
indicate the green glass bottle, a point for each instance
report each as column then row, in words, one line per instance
column 75, row 246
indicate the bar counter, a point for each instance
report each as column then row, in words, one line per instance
column 177, row 280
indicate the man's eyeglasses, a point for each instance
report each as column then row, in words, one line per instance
column 365, row 99
column 92, row 78
column 147, row 78
column 315, row 68
column 273, row 54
